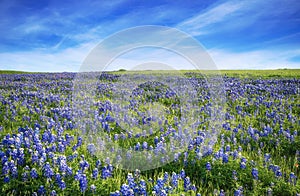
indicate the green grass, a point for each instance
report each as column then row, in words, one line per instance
column 12, row 72
column 275, row 73
column 278, row 73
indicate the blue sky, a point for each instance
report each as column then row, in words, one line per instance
column 58, row 35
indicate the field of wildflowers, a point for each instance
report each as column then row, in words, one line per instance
column 257, row 151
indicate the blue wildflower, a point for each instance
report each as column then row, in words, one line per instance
column 254, row 173
column 106, row 173
column 174, row 179
column 47, row 170
column 33, row 173
column 53, row 193
column 93, row 188
column 222, row 193
column 62, row 185
column 42, row 190
column 83, row 183
column 186, row 183
column 225, row 158
column 95, row 173
column 6, row 179
column 208, row 166
column 182, row 174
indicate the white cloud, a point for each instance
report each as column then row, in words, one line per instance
column 71, row 59
column 42, row 61
column 213, row 15
column 236, row 14
column 259, row 59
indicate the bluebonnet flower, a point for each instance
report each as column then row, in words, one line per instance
column 243, row 159
column 98, row 163
column 14, row 172
column 238, row 192
column 137, row 146
column 274, row 168
column 4, row 159
column 174, row 179
column 182, row 174
column 278, row 173
column 58, row 178
column 61, row 147
column 78, row 174
column 14, row 154
column 158, row 187
column 79, row 141
column 62, row 184
column 240, row 149
column 42, row 190
column 5, row 168
column 53, row 193
column 254, row 173
column 106, row 173
column 21, row 157
column 33, row 173
column 166, row 177
column 47, row 170
column 93, row 188
column 130, row 181
column 63, row 165
column 156, row 140
column 208, row 166
column 145, row 145
column 71, row 157
column 193, row 188
column 95, row 173
column 225, row 158
column 83, row 183
column 222, row 193
column 293, row 178
column 186, row 183
column 6, row 179
column 227, row 149
column 74, row 148
column 84, row 165
column 125, row 190
column 69, row 171
column 243, row 165
column 53, row 147
column 34, row 157
column 235, row 154
column 25, row 176
column 142, row 188
column 116, row 137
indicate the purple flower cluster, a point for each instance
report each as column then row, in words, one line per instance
column 168, row 184
column 39, row 144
